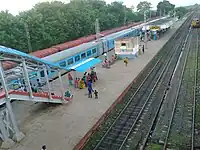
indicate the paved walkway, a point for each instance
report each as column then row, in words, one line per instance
column 61, row 127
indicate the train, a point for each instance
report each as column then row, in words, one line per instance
column 196, row 23
column 61, row 47
column 75, row 55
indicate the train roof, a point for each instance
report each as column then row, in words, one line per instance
column 78, row 49
column 161, row 21
column 70, row 52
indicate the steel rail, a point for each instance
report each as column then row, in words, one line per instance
column 167, row 65
column 132, row 98
column 194, row 99
column 176, row 99
column 163, row 99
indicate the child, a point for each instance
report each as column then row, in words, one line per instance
column 96, row 94
column 44, row 147
column 76, row 83
column 126, row 61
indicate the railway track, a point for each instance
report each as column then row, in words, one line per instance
column 180, row 129
column 196, row 108
column 161, row 131
column 129, row 128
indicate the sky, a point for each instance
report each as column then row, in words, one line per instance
column 15, row 6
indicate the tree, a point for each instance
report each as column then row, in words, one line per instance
column 181, row 11
column 164, row 7
column 143, row 6
column 51, row 23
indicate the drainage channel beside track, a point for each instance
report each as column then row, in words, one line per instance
column 133, row 119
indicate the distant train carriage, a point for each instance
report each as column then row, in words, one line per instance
column 196, row 23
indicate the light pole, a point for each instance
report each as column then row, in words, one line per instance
column 124, row 15
column 145, row 21
column 28, row 37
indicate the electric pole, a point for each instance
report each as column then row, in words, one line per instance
column 174, row 13
column 124, row 15
column 150, row 14
column 145, row 21
column 160, row 13
column 28, row 37
column 97, row 29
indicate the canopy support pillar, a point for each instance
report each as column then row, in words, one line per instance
column 61, row 85
column 27, row 80
column 17, row 134
column 47, row 80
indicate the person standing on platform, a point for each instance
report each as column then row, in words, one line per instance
column 76, row 83
column 70, row 79
column 90, row 90
column 82, row 84
column 96, row 94
column 143, row 49
column 85, row 79
column 126, row 61
column 44, row 147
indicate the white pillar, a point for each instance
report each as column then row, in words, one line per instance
column 27, row 80
column 18, row 135
column 47, row 80
column 7, row 142
column 61, row 84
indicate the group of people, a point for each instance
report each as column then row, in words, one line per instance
column 106, row 63
column 85, row 81
column 81, row 83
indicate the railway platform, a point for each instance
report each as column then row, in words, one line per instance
column 61, row 127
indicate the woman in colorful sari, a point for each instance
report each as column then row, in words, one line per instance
column 81, row 84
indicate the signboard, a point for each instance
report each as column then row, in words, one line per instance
column 154, row 28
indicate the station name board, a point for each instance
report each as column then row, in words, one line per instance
column 154, row 28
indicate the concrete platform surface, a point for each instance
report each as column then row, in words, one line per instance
column 61, row 127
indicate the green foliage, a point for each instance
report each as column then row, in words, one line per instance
column 143, row 6
column 165, row 7
column 179, row 141
column 51, row 23
column 181, row 11
column 154, row 147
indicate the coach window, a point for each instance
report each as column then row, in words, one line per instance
column 70, row 61
column 123, row 44
column 42, row 73
column 63, row 64
column 83, row 55
column 89, row 53
column 77, row 58
column 94, row 51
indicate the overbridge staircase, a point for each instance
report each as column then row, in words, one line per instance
column 37, row 97
column 9, row 131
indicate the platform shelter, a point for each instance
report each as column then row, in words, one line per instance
column 156, row 29
column 23, row 70
column 127, row 47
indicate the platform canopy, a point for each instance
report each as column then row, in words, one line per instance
column 85, row 65
column 9, row 54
